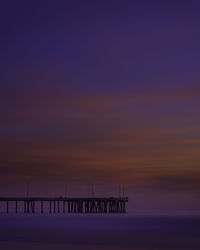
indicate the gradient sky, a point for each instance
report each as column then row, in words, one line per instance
column 102, row 92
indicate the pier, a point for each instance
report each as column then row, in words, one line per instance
column 31, row 205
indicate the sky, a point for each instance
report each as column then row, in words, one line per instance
column 102, row 92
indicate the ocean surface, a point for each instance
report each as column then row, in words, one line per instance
column 130, row 231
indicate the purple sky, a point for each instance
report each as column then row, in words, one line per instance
column 102, row 92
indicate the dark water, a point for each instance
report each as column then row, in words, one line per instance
column 99, row 232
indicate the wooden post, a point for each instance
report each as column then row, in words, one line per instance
column 28, row 206
column 105, row 206
column 16, row 207
column 24, row 206
column 50, row 207
column 123, row 207
column 7, row 206
column 58, row 206
column 68, row 203
column 54, row 206
column 33, row 207
column 42, row 206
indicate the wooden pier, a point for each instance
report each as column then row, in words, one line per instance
column 55, row 205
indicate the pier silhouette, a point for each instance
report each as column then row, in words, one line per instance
column 61, row 204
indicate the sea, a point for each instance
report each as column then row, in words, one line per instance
column 135, row 230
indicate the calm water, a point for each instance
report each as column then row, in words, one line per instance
column 99, row 232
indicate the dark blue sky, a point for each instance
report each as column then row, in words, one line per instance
column 102, row 91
